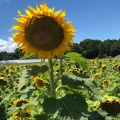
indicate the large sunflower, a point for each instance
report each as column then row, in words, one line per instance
column 43, row 32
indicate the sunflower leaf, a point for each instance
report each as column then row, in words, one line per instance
column 71, row 82
column 71, row 106
column 95, row 116
column 2, row 110
column 42, row 117
column 23, row 79
column 35, row 69
column 73, row 56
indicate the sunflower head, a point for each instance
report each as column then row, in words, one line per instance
column 85, row 72
column 71, row 69
column 26, row 113
column 111, row 105
column 24, row 87
column 19, row 102
column 43, row 32
column 97, row 75
column 39, row 82
column 106, row 82
column 104, row 67
column 75, row 69
column 2, row 75
column 2, row 81
column 89, row 67
column 16, row 115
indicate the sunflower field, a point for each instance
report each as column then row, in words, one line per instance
column 66, row 86
column 83, row 92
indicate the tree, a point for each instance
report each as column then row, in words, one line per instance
column 89, row 48
column 101, row 49
column 4, row 55
column 115, row 49
column 18, row 53
column 75, row 48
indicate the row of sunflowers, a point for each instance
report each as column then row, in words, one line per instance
column 81, row 93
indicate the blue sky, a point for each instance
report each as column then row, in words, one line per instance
column 93, row 19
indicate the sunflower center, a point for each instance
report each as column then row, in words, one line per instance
column 20, row 103
column 40, row 83
column 44, row 33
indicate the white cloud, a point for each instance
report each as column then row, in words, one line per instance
column 7, row 45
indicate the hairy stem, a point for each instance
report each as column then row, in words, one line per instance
column 52, row 82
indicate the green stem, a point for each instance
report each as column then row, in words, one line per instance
column 60, row 67
column 21, row 115
column 52, row 82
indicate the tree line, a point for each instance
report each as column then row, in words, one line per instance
column 17, row 54
column 88, row 48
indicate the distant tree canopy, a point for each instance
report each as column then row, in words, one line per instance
column 17, row 54
column 88, row 48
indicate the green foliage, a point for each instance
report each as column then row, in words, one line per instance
column 23, row 79
column 28, row 56
column 42, row 117
column 77, row 93
column 95, row 115
column 2, row 110
column 90, row 48
column 71, row 106
column 17, row 54
column 35, row 69
column 76, row 57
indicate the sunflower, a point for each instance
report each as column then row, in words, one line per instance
column 111, row 105
column 75, row 69
column 85, row 72
column 2, row 75
column 19, row 102
column 97, row 75
column 90, row 67
column 26, row 113
column 106, row 82
column 71, row 69
column 2, row 81
column 104, row 67
column 16, row 115
column 43, row 32
column 39, row 82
